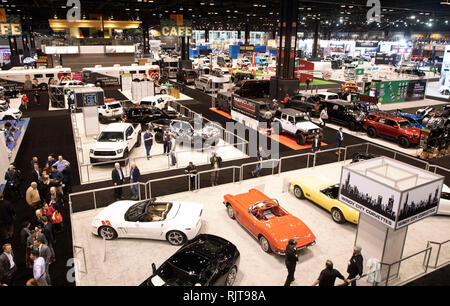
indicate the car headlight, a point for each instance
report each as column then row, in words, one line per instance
column 119, row 151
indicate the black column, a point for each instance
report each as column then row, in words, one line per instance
column 284, row 82
column 32, row 43
column 247, row 34
column 184, row 48
column 239, row 34
column 145, row 39
column 15, row 59
column 26, row 46
column 316, row 38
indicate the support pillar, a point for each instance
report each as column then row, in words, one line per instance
column 206, row 35
column 284, row 82
column 15, row 59
column 316, row 39
column 247, row 34
column 145, row 39
column 185, row 62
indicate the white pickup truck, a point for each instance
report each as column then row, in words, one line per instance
column 110, row 111
column 298, row 124
column 115, row 142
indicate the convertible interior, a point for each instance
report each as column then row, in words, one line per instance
column 267, row 210
column 156, row 212
column 331, row 192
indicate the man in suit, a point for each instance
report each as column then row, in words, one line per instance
column 191, row 171
column 291, row 259
column 166, row 141
column 118, row 179
column 67, row 178
column 54, row 193
column 44, row 252
column 36, row 173
column 316, row 143
column 135, row 174
column 8, row 268
column 339, row 140
column 48, row 233
column 34, row 160
column 7, row 215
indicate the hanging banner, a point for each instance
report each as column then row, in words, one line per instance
column 10, row 25
column 176, row 26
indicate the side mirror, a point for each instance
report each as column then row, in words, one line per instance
column 153, row 268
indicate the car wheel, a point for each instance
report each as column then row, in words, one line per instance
column 107, row 232
column 298, row 192
column 101, row 119
column 176, row 238
column 163, row 92
column 404, row 142
column 352, row 126
column 371, row 132
column 230, row 211
column 337, row 216
column 159, row 137
column 98, row 84
column 231, row 277
column 92, row 161
column 300, row 138
column 265, row 246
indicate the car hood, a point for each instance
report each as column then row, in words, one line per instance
column 108, row 146
column 306, row 125
column 289, row 227
column 115, row 211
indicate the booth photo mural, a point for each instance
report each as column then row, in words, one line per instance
column 373, row 199
column 419, row 203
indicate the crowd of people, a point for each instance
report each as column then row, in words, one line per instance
column 46, row 197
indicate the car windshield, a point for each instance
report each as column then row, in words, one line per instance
column 404, row 124
column 114, row 106
column 110, row 137
column 333, row 97
column 302, row 118
column 267, row 209
column 332, row 191
column 264, row 107
column 171, row 275
column 136, row 210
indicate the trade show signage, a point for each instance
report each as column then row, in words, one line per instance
column 433, row 69
column 361, row 62
column 360, row 71
column 9, row 25
column 366, row 44
column 176, row 26
column 393, row 193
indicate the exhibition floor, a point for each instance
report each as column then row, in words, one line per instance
column 128, row 261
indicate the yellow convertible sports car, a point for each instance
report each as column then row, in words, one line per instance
column 325, row 194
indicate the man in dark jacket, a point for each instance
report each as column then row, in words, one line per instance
column 118, row 179
column 67, row 178
column 316, row 143
column 216, row 163
column 36, row 173
column 12, row 178
column 191, row 171
column 355, row 265
column 8, row 268
column 7, row 215
column 328, row 276
column 291, row 261
column 135, row 175
column 166, row 141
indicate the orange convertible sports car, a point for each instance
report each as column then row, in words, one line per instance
column 267, row 221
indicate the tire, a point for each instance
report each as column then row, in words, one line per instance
column 231, row 277
column 300, row 138
column 139, row 140
column 107, row 232
column 403, row 142
column 265, row 246
column 352, row 126
column 176, row 238
column 8, row 117
column 163, row 92
column 92, row 160
column 337, row 215
column 371, row 132
column 101, row 118
column 230, row 211
column 159, row 137
column 298, row 192
column 125, row 156
column 98, row 84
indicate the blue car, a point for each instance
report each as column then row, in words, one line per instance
column 415, row 120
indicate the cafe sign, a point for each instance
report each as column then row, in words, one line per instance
column 176, row 26
column 9, row 25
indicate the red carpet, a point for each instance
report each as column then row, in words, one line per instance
column 226, row 115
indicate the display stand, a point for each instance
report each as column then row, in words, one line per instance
column 90, row 119
column 389, row 195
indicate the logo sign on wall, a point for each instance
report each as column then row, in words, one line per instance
column 360, row 71
column 9, row 25
column 176, row 26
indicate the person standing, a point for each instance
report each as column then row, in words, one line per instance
column 67, row 179
column 39, row 268
column 166, row 142
column 7, row 216
column 32, row 196
column 172, row 148
column 216, row 163
column 308, row 81
column 118, row 179
column 148, row 142
column 36, row 173
column 8, row 268
column 36, row 89
column 28, row 86
column 339, row 140
column 328, row 276
column 24, row 101
column 258, row 167
column 286, row 99
column 135, row 174
column 12, row 178
column 316, row 144
column 60, row 163
column 324, row 116
column 355, row 265
column 291, row 261
column 46, row 253
column 47, row 230
column 191, row 171
column 34, row 160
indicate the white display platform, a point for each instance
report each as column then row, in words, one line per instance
column 127, row 93
column 128, row 261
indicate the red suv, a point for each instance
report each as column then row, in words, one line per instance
column 392, row 127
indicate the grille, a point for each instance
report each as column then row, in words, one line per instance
column 105, row 153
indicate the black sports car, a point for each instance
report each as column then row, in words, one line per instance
column 207, row 260
column 145, row 115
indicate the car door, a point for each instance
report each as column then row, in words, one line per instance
column 391, row 128
column 291, row 124
column 129, row 137
column 381, row 126
column 150, row 230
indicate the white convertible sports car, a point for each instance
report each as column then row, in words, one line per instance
column 175, row 222
column 444, row 203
